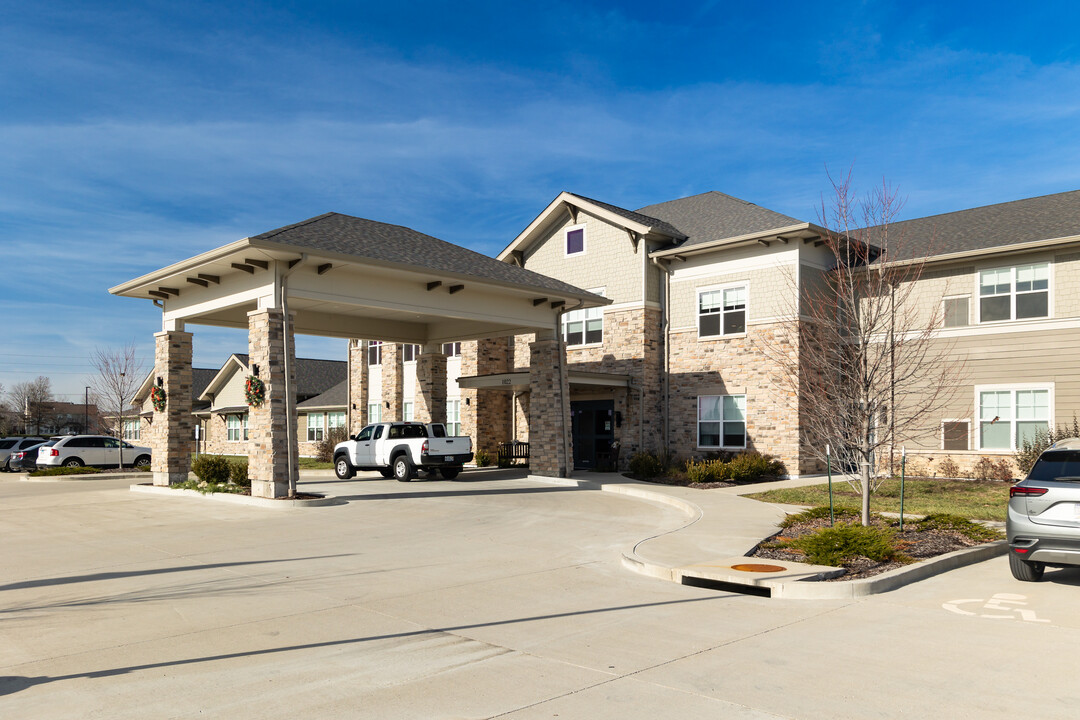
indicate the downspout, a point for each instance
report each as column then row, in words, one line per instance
column 290, row 405
column 565, row 396
column 666, row 339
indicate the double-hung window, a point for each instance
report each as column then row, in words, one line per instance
column 722, row 311
column 374, row 352
column 1014, row 293
column 453, row 417
column 335, row 420
column 721, row 421
column 374, row 412
column 409, row 352
column 236, row 427
column 452, row 349
column 407, row 411
column 314, row 427
column 585, row 327
column 132, row 428
column 1008, row 417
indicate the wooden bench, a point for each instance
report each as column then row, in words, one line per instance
column 510, row 453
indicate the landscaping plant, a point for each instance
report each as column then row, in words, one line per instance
column 211, row 468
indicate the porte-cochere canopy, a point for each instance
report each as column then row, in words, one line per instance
column 341, row 276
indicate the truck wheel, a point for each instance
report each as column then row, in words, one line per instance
column 343, row 468
column 386, row 472
column 403, row 469
column 449, row 473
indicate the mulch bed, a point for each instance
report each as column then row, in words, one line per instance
column 919, row 545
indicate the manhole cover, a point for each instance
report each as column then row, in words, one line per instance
column 757, row 567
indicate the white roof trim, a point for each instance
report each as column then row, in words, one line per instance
column 230, row 368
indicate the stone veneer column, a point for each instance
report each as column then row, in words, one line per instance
column 429, row 401
column 550, row 443
column 393, row 382
column 173, row 429
column 268, row 424
column 358, row 389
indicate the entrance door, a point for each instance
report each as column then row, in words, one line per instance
column 593, row 432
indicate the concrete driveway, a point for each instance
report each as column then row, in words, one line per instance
column 491, row 596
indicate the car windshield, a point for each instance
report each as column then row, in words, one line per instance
column 1054, row 464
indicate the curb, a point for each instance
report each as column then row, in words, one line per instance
column 803, row 581
column 234, row 499
column 25, row 477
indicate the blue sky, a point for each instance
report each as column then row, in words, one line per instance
column 136, row 134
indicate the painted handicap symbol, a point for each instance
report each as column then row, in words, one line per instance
column 1007, row 606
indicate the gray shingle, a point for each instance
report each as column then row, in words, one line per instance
column 312, row 376
column 337, row 396
column 347, row 235
column 1020, row 221
column 655, row 223
column 715, row 216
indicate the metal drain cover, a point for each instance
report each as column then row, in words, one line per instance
column 757, row 567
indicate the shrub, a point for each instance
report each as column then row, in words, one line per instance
column 948, row 468
column 1031, row 449
column 987, row 469
column 646, row 465
column 820, row 513
column 238, row 473
column 209, row 487
column 707, row 471
column 324, row 451
column 483, row 458
column 845, row 543
column 957, row 524
column 750, row 466
column 983, row 469
column 211, row 468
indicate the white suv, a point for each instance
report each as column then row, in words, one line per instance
column 99, row 450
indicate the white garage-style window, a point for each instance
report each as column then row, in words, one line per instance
column 315, row 427
column 1009, row 416
column 1014, row 293
column 721, row 421
column 722, row 311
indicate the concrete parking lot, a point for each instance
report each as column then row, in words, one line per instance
column 491, row 596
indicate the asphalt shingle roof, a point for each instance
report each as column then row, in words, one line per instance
column 715, row 216
column 655, row 223
column 348, row 235
column 991, row 226
column 313, row 377
column 337, row 396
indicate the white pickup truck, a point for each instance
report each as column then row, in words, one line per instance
column 398, row 449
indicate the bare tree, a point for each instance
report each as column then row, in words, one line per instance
column 119, row 375
column 5, row 417
column 31, row 400
column 869, row 373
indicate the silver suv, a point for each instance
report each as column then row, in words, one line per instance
column 1043, row 522
column 99, row 450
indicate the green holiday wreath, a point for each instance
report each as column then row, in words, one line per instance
column 254, row 391
column 157, row 397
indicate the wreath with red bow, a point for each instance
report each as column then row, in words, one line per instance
column 157, row 397
column 254, row 391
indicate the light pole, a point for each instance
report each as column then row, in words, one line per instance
column 86, row 411
column 120, row 430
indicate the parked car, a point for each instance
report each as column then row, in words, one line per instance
column 15, row 444
column 1043, row 521
column 95, row 450
column 398, row 449
column 23, row 460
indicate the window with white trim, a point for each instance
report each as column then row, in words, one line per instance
column 132, row 429
column 722, row 311
column 374, row 412
column 585, row 326
column 335, row 420
column 315, row 425
column 1009, row 417
column 374, row 352
column 453, row 417
column 721, row 421
column 1014, row 293
column 956, row 312
column 236, row 427
column 575, row 240
column 409, row 352
column 407, row 411
column 452, row 349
